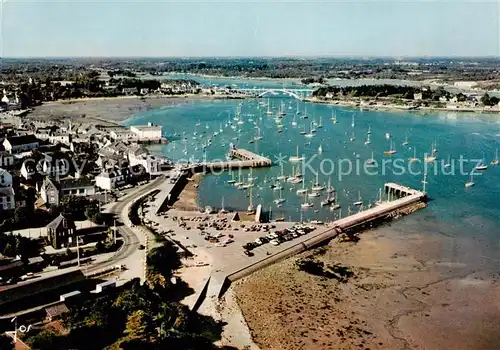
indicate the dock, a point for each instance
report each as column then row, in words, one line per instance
column 240, row 159
column 407, row 200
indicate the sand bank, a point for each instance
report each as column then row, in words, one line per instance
column 403, row 296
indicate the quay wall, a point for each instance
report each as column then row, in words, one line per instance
column 385, row 210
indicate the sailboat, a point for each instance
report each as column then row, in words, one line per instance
column 359, row 202
column 391, row 149
column 310, row 134
column 232, row 181
column 282, row 176
column 352, row 137
column 269, row 111
column 239, row 183
column 251, row 178
column 334, row 118
column 481, row 166
column 303, row 132
column 250, row 209
column 414, row 158
column 320, row 149
column 297, row 157
column 222, row 210
column 330, row 188
column 495, row 161
column 316, row 185
column 294, row 122
column 371, row 160
column 352, row 123
column 297, row 112
column 305, row 116
column 320, row 125
column 369, row 130
column 470, row 183
column 432, row 157
column 258, row 137
column 306, row 204
column 379, row 200
column 303, row 189
column 405, row 142
column 280, row 199
column 329, row 200
column 448, row 163
column 334, row 207
column 368, row 141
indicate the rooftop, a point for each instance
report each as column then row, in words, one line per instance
column 21, row 140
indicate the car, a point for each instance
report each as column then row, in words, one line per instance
column 258, row 241
column 248, row 253
column 141, row 247
column 274, row 242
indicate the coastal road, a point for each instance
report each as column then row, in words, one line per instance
column 131, row 238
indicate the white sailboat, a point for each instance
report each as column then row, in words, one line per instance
column 432, row 157
column 303, row 189
column 294, row 122
column 316, row 187
column 280, row 199
column 352, row 122
column 232, row 181
column 320, row 149
column 414, row 158
column 320, row 125
column 359, row 202
column 481, row 166
column 352, row 138
column 495, row 161
column 330, row 188
column 282, row 176
column 391, row 149
column 368, row 141
column 223, row 210
column 334, row 117
column 448, row 163
column 297, row 157
column 297, row 112
column 269, row 111
column 369, row 129
column 306, row 204
column 405, row 142
column 329, row 200
column 310, row 134
column 250, row 209
column 258, row 136
column 371, row 160
column 471, row 182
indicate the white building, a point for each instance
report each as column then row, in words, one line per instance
column 5, row 178
column 7, row 200
column 60, row 138
column 465, row 84
column 148, row 132
column 111, row 178
column 122, row 135
column 150, row 163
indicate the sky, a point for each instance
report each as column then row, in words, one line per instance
column 163, row 28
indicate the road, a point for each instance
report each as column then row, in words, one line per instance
column 131, row 238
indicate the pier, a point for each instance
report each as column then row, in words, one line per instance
column 408, row 200
column 241, row 158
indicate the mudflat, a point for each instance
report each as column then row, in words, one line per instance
column 404, row 294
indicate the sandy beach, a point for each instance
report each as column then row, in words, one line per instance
column 402, row 296
column 107, row 111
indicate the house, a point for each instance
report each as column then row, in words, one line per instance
column 112, row 178
column 49, row 192
column 116, row 177
column 417, row 96
column 7, row 198
column 151, row 164
column 5, row 178
column 61, row 231
column 6, row 160
column 76, row 187
column 60, row 138
column 18, row 144
column 148, row 132
column 122, row 135
column 56, row 311
column 129, row 91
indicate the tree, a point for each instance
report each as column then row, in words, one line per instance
column 485, row 99
column 137, row 326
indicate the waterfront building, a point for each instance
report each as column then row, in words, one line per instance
column 147, row 133
column 18, row 144
column 5, row 178
column 7, row 198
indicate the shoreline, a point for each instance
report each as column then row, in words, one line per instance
column 394, row 107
